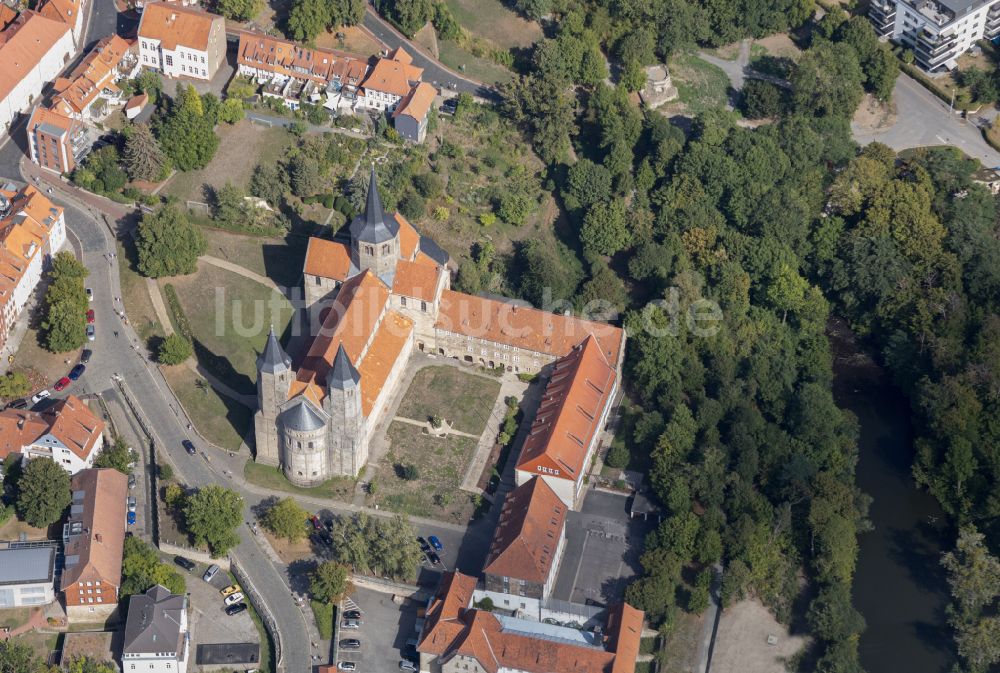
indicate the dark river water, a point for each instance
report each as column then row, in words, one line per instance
column 899, row 585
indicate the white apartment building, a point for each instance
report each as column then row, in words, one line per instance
column 33, row 50
column 156, row 633
column 938, row 31
column 181, row 41
column 67, row 432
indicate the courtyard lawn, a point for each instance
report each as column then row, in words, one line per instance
column 220, row 420
column 440, row 463
column 242, row 147
column 229, row 317
column 135, row 297
column 279, row 259
column 701, row 86
column 492, row 20
column 339, row 488
column 480, row 69
column 462, row 399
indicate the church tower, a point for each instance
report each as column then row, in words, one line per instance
column 375, row 236
column 274, row 374
column 348, row 440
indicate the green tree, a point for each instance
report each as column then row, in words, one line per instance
column 88, row 665
column 239, row 10
column 269, row 182
column 186, row 132
column 17, row 656
column 149, row 82
column 167, row 243
column 514, row 207
column 761, row 99
column 231, row 110
column 42, row 492
column 606, row 228
column 827, row 81
column 308, row 18
column 329, row 581
column 115, row 455
column 14, row 384
column 832, row 617
column 144, row 159
column 142, row 569
column 174, row 350
column 587, row 183
column 412, row 205
column 286, row 519
column 65, row 321
column 305, row 174
column 212, row 515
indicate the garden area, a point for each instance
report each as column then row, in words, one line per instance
column 462, row 399
column 701, row 86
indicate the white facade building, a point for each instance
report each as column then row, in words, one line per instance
column 35, row 51
column 181, row 41
column 156, row 633
column 938, row 31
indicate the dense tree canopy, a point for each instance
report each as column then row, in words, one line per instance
column 142, row 569
column 42, row 492
column 286, row 519
column 167, row 243
column 185, row 127
column 212, row 515
column 65, row 319
column 368, row 544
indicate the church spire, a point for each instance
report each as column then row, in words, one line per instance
column 342, row 374
column 274, row 359
column 374, row 225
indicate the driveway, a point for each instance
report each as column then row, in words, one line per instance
column 924, row 120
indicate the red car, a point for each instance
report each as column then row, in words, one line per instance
column 62, row 384
column 90, row 317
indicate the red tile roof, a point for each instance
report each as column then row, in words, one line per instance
column 173, row 24
column 393, row 75
column 570, row 412
column 527, row 534
column 23, row 44
column 418, row 102
column 328, row 259
column 68, row 420
column 289, row 59
column 100, row 545
column 382, row 354
column 414, row 279
column 94, row 74
column 61, row 10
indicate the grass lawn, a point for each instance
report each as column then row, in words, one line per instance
column 230, row 316
column 492, row 20
column 13, row 527
column 680, row 646
column 279, row 259
column 356, row 41
column 339, row 488
column 11, row 618
column 41, row 643
column 464, row 400
column 242, row 147
column 462, row 61
column 700, row 85
column 222, row 421
column 323, row 613
column 441, row 463
column 135, row 297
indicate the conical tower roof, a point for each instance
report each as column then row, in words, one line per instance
column 302, row 417
column 274, row 359
column 374, row 225
column 342, row 374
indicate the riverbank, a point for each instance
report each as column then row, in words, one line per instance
column 899, row 585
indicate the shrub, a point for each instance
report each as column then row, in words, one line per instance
column 617, row 457
column 409, row 472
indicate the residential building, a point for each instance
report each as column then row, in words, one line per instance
column 456, row 638
column 390, row 80
column 69, row 12
column 527, row 547
column 27, row 574
column 55, row 141
column 33, row 50
column 67, row 432
column 135, row 105
column 410, row 116
column 92, row 83
column 375, row 301
column 569, row 422
column 156, row 633
column 938, row 31
column 31, row 230
column 181, row 41
column 93, row 542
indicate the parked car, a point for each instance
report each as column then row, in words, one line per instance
column 352, row 614
column 39, row 396
column 18, row 404
column 230, row 590
column 90, row 333
column 185, row 563
column 350, row 644
column 76, row 372
column 436, row 543
column 236, row 609
column 347, row 666
column 90, row 316
column 86, row 355
column 317, row 524
column 449, row 106
column 424, row 547
column 189, row 446
column 90, row 294
column 407, row 665
column 433, row 558
column 131, row 503
column 210, row 573
column 350, row 624
column 233, row 599
column 130, row 519
column 62, row 384
column 131, row 481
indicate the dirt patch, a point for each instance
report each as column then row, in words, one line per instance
column 741, row 645
column 680, row 648
column 355, row 40
column 780, row 44
column 289, row 552
column 875, row 115
column 427, row 38
column 14, row 527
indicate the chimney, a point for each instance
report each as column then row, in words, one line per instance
column 97, row 537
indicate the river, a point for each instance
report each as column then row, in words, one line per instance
column 899, row 585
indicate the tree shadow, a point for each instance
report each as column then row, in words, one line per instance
column 298, row 575
column 221, row 368
column 262, row 507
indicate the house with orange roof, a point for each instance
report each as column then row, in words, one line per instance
column 56, row 141
column 526, row 550
column 456, row 637
column 111, row 59
column 33, row 50
column 181, row 41
column 375, row 300
column 390, row 80
column 93, row 543
column 32, row 228
column 410, row 116
column 68, row 433
column 69, row 12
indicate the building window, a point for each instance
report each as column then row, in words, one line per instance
column 385, row 249
column 402, row 301
column 423, row 306
column 318, row 281
column 310, row 445
column 169, row 59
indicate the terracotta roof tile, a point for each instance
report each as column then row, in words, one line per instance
column 23, row 44
column 45, row 116
column 95, row 73
column 527, row 328
column 382, row 354
column 100, row 545
column 173, row 24
column 418, row 102
column 75, row 425
column 137, row 101
column 289, row 59
column 409, row 239
column 328, row 259
column 393, row 76
column 23, row 234
column 527, row 534
column 61, row 10
column 416, row 280
column 570, row 412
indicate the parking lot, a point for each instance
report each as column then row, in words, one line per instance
column 603, row 546
column 386, row 628
column 209, row 622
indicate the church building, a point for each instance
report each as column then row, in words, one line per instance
column 376, row 300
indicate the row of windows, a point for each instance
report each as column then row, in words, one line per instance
column 423, row 304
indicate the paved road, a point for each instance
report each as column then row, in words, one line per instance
column 433, row 70
column 924, row 120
